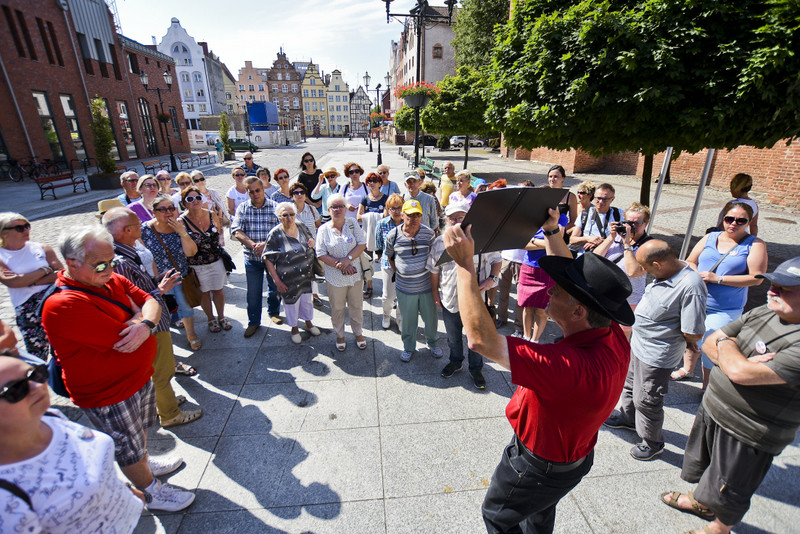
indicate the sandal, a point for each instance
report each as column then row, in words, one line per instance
column 213, row 326
column 341, row 345
column 706, row 530
column 696, row 509
column 361, row 343
column 680, row 374
column 368, row 293
column 195, row 343
column 185, row 370
column 224, row 324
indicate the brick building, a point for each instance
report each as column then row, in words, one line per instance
column 54, row 59
column 285, row 83
column 251, row 86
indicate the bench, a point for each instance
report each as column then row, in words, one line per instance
column 121, row 168
column 152, row 166
column 51, row 182
column 186, row 160
column 206, row 156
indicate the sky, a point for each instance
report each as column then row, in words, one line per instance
column 349, row 35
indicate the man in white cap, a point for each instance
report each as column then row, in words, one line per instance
column 751, row 409
column 430, row 218
column 565, row 390
column 443, row 281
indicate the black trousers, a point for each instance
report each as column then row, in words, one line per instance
column 523, row 496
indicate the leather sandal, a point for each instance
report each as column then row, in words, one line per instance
column 185, row 370
column 361, row 342
column 696, row 509
column 213, row 326
column 224, row 323
column 195, row 343
column 341, row 345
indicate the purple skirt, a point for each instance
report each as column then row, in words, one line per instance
column 533, row 286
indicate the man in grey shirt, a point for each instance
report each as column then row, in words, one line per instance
column 669, row 317
column 430, row 217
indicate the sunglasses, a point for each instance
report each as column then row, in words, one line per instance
column 287, row 215
column 384, row 172
column 282, row 177
column 187, row 184
column 131, row 180
column 19, row 227
column 150, row 186
column 414, row 248
column 738, row 220
column 165, row 210
column 164, row 179
column 337, row 207
column 101, row 267
column 373, row 181
column 254, row 191
column 18, row 390
column 583, row 192
column 308, row 161
column 198, row 180
column 604, row 199
column 298, row 192
column 239, row 174
column 247, row 158
column 355, row 171
column 191, row 198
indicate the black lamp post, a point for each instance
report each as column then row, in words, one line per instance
column 378, row 97
column 168, row 81
column 369, row 112
column 420, row 15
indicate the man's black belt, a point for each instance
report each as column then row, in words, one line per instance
column 545, row 465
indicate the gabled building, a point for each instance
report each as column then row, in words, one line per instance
column 315, row 102
column 285, row 86
column 229, row 82
column 251, row 86
column 360, row 105
column 338, row 105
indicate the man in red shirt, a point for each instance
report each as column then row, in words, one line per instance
column 565, row 390
column 100, row 327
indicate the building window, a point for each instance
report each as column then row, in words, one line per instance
column 321, row 93
column 330, row 98
column 190, row 108
column 227, row 95
column 295, row 103
column 184, row 76
column 203, row 108
column 321, row 107
column 313, row 93
column 187, row 93
column 307, row 106
column 251, row 87
column 285, row 88
column 176, row 131
column 336, row 87
column 126, row 130
column 26, row 34
column 261, row 87
column 49, row 129
column 198, row 77
column 201, row 92
column 101, row 58
column 313, row 82
column 241, row 87
column 305, row 93
column 68, row 105
column 345, row 108
column 313, row 106
column 438, row 51
column 294, row 87
column 276, row 101
column 133, row 61
column 12, row 27
column 280, row 76
column 147, row 126
column 45, row 41
column 274, row 87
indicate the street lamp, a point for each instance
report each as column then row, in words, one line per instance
column 420, row 15
column 168, row 81
column 369, row 112
column 378, row 97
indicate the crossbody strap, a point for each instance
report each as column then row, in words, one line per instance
column 16, row 491
column 169, row 254
column 90, row 292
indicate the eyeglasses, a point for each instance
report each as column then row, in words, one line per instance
column 247, row 158
column 308, row 161
column 254, row 191
column 336, row 207
column 198, row 180
column 287, row 215
column 384, row 172
column 150, row 186
column 131, row 180
column 19, row 227
column 738, row 220
column 373, row 181
column 165, row 210
column 101, row 267
column 191, row 198
column 239, row 174
column 282, row 177
column 583, row 192
column 604, row 199
column 164, row 179
column 414, row 248
column 298, row 192
column 398, row 208
column 354, row 171
column 18, row 390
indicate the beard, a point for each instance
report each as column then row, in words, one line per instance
column 775, row 299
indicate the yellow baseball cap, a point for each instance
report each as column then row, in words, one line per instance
column 412, row 206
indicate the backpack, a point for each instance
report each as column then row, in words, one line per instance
column 614, row 215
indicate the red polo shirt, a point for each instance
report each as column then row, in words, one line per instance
column 83, row 329
column 566, row 390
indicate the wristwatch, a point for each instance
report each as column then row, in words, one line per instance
column 150, row 324
column 628, row 249
column 493, row 277
column 551, row 232
column 349, row 257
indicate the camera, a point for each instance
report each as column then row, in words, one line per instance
column 620, row 227
column 563, row 208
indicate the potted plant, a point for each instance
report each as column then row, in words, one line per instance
column 416, row 94
column 224, row 130
column 106, row 176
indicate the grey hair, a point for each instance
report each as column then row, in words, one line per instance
column 336, row 196
column 284, row 205
column 164, row 172
column 196, row 173
column 161, row 197
column 6, row 218
column 72, row 243
column 125, row 175
column 115, row 220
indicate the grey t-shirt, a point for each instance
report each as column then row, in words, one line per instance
column 668, row 309
column 764, row 417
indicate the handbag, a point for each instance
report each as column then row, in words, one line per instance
column 54, row 378
column 227, row 261
column 190, row 285
column 317, row 267
column 367, row 270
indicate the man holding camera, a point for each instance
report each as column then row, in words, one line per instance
column 595, row 222
column 565, row 390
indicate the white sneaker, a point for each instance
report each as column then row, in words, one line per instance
column 166, row 497
column 386, row 323
column 164, row 465
column 405, row 356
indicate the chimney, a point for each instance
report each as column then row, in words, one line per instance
column 153, row 37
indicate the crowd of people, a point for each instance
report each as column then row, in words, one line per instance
column 158, row 252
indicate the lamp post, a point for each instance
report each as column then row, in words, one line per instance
column 168, row 81
column 378, row 97
column 420, row 15
column 369, row 110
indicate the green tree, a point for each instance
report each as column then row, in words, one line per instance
column 224, row 131
column 459, row 108
column 643, row 75
column 404, row 119
column 103, row 136
column 473, row 27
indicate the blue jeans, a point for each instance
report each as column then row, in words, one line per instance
column 254, row 272
column 454, row 328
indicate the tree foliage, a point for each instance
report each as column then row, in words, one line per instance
column 404, row 119
column 103, row 136
column 642, row 75
column 473, row 26
column 224, row 131
column 460, row 106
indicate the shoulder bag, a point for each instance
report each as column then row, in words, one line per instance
column 189, row 283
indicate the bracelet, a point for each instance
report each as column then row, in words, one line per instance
column 628, row 249
column 724, row 339
column 719, row 280
column 548, row 233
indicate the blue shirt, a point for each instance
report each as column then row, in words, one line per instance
column 722, row 297
column 532, row 256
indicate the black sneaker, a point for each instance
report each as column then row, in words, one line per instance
column 449, row 370
column 644, row 452
column 616, row 421
column 477, row 377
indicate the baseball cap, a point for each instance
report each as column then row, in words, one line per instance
column 455, row 207
column 410, row 175
column 787, row 273
column 412, row 206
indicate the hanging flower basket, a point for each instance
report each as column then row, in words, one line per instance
column 416, row 95
column 163, row 117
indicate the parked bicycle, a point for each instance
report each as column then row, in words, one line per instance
column 10, row 170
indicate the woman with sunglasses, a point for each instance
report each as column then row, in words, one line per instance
column 66, row 470
column 308, row 216
column 148, row 188
column 289, row 256
column 27, row 269
column 165, row 183
column 388, row 187
column 212, row 196
column 169, row 241
column 284, row 192
column 204, row 228
column 309, row 175
column 464, row 194
column 339, row 246
column 728, row 262
column 325, row 188
column 355, row 190
column 237, row 193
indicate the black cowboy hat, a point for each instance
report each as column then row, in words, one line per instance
column 593, row 281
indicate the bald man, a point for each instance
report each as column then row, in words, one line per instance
column 669, row 317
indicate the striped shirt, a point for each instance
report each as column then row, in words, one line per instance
column 410, row 259
column 131, row 267
column 385, row 226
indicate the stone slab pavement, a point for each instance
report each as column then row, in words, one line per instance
column 303, row 438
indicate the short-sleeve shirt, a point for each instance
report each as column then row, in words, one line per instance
column 411, row 259
column 309, row 180
column 764, row 417
column 668, row 309
column 237, row 197
column 255, row 223
column 308, row 218
column 566, row 390
column 173, row 242
column 448, row 274
column 374, row 206
column 390, row 189
column 278, row 197
column 353, row 197
column 332, row 243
